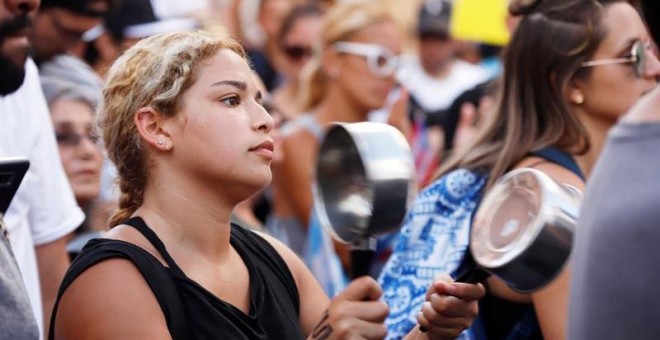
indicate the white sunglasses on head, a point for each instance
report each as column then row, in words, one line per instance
column 381, row 61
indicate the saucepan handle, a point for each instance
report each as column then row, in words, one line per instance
column 473, row 274
column 361, row 260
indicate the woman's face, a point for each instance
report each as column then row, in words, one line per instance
column 357, row 79
column 81, row 157
column 221, row 135
column 298, row 42
column 611, row 90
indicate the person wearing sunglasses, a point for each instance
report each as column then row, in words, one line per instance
column 614, row 292
column 569, row 75
column 300, row 30
column 339, row 84
column 352, row 75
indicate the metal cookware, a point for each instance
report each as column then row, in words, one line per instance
column 523, row 229
column 364, row 182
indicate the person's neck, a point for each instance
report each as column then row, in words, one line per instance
column 337, row 107
column 188, row 217
column 597, row 130
column 440, row 72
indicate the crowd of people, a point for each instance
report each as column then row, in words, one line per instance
column 172, row 152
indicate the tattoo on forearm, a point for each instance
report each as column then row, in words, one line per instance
column 322, row 330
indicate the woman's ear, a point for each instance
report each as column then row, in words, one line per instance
column 574, row 93
column 152, row 130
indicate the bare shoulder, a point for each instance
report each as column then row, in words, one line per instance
column 111, row 299
column 299, row 139
column 647, row 109
column 555, row 171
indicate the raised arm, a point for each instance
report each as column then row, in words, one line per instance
column 356, row 311
column 293, row 176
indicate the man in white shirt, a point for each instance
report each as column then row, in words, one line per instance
column 434, row 80
column 18, row 320
column 44, row 211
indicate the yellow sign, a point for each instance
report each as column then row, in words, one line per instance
column 480, row 20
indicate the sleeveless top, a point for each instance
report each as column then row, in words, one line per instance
column 288, row 229
column 190, row 310
column 434, row 240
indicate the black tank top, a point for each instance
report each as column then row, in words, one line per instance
column 190, row 310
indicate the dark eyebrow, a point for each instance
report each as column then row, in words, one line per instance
column 241, row 85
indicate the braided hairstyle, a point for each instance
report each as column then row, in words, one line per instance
column 154, row 73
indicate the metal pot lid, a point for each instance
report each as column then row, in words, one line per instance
column 509, row 218
column 364, row 180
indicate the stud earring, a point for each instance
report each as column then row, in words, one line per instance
column 578, row 98
column 160, row 142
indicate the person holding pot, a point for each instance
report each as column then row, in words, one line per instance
column 352, row 74
column 181, row 118
column 614, row 291
column 570, row 72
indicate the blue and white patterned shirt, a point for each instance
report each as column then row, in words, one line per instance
column 432, row 241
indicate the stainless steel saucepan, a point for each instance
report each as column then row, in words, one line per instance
column 364, row 184
column 523, row 230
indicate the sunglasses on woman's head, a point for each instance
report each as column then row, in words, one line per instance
column 381, row 61
column 296, row 52
column 637, row 58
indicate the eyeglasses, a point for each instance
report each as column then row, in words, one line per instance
column 637, row 58
column 296, row 52
column 381, row 61
column 65, row 32
column 73, row 139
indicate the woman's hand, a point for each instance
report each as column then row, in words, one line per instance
column 449, row 309
column 355, row 313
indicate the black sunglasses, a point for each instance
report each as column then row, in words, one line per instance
column 296, row 52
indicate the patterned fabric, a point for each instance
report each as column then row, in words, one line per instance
column 433, row 241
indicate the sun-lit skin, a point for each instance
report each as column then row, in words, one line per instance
column 305, row 32
column 222, row 115
column 82, row 162
column 356, row 81
column 610, row 90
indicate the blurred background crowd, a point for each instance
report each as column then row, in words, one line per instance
column 432, row 71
